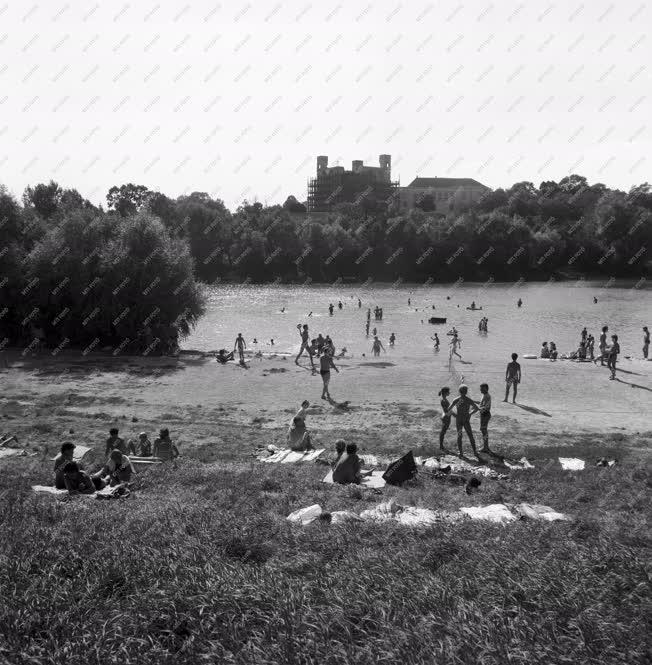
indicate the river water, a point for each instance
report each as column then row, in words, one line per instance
column 550, row 311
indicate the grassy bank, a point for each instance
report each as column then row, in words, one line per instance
column 200, row 565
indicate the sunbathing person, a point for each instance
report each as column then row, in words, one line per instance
column 348, row 467
column 60, row 461
column 117, row 470
column 76, row 480
column 340, row 447
column 142, row 447
column 163, row 446
column 114, row 442
column 298, row 436
column 224, row 357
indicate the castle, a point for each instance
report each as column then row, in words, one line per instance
column 334, row 184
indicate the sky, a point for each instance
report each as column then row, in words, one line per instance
column 237, row 99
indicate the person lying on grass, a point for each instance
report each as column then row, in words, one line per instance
column 60, row 461
column 163, row 446
column 117, row 470
column 298, row 436
column 76, row 480
column 348, row 467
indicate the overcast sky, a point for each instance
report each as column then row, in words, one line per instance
column 238, row 98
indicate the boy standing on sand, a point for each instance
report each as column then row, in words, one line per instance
column 512, row 377
column 464, row 408
column 603, row 345
column 241, row 345
column 305, row 344
column 646, row 341
column 485, row 416
column 326, row 362
column 614, row 350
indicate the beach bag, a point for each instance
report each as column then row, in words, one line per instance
column 401, row 470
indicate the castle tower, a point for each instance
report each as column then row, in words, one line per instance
column 385, row 162
column 356, row 165
column 322, row 164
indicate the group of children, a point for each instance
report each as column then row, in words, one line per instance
column 117, row 469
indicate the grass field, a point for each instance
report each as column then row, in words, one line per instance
column 200, row 565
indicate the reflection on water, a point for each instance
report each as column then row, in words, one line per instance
column 551, row 312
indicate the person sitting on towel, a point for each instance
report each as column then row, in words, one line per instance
column 142, row 447
column 117, row 470
column 60, row 461
column 298, row 436
column 347, row 469
column 164, row 448
column 76, row 480
column 340, row 447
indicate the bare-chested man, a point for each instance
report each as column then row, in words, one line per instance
column 241, row 345
column 464, row 408
column 305, row 345
column 512, row 377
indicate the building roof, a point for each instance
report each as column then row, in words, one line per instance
column 444, row 183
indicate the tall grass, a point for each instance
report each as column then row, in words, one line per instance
column 200, row 565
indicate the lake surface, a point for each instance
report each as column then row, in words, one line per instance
column 551, row 312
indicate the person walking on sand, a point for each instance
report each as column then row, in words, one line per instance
column 612, row 358
column 646, row 341
column 435, row 339
column 367, row 328
column 512, row 377
column 464, row 408
column 326, row 362
column 445, row 416
column 305, row 344
column 376, row 346
column 392, row 339
column 241, row 345
column 485, row 416
column 603, row 345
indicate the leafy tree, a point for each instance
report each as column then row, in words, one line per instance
column 127, row 199
column 45, row 199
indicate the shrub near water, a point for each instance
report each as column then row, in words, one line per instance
column 104, row 277
column 201, row 566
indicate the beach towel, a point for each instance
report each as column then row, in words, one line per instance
column 537, row 512
column 47, row 489
column 407, row 515
column 288, row 456
column 78, row 453
column 12, row 452
column 374, row 480
column 457, row 465
column 519, row 465
column 496, row 512
column 343, row 516
column 305, row 516
column 572, row 464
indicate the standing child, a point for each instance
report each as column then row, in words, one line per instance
column 464, row 408
column 445, row 416
column 392, row 339
column 512, row 377
column 485, row 416
column 612, row 359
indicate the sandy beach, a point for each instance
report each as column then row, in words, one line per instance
column 375, row 394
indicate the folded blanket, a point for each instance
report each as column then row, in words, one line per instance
column 537, row 512
column 572, row 464
column 496, row 512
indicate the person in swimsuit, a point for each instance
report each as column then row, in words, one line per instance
column 454, row 344
column 612, row 358
column 305, row 344
column 464, row 408
column 520, row 302
column 646, row 341
column 603, row 345
column 512, row 377
column 435, row 339
column 326, row 362
column 392, row 339
column 340, row 305
column 485, row 416
column 445, row 417
column 330, row 309
column 367, row 328
column 377, row 346
column 241, row 345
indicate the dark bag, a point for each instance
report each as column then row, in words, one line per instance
column 401, row 470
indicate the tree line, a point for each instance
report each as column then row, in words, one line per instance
column 130, row 276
